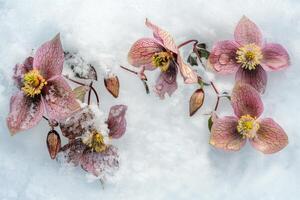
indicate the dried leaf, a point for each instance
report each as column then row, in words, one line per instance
column 196, row 101
column 80, row 92
column 53, row 143
column 112, row 85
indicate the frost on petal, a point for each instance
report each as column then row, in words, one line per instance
column 49, row 58
column 72, row 152
column 166, row 82
column 141, row 52
column 223, row 57
column 186, row 72
column 24, row 112
column 245, row 100
column 20, row 70
column 275, row 57
column 163, row 36
column 102, row 163
column 247, row 32
column 78, row 124
column 224, row 134
column 59, row 99
column 271, row 138
column 116, row 121
column 257, row 78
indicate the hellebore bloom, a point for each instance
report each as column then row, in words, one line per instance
column 88, row 144
column 231, row 132
column 161, row 52
column 248, row 55
column 42, row 89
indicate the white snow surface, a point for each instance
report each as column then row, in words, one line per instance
column 165, row 153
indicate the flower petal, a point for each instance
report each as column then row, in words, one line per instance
column 163, row 36
column 49, row 58
column 59, row 99
column 24, row 112
column 166, row 82
column 257, row 78
column 275, row 57
column 21, row 69
column 271, row 138
column 224, row 134
column 72, row 152
column 141, row 52
column 223, row 57
column 186, row 72
column 116, row 121
column 247, row 32
column 245, row 100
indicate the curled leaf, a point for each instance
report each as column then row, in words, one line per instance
column 192, row 60
column 112, row 85
column 196, row 101
column 53, row 143
column 80, row 92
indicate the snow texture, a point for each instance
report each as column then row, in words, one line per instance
column 164, row 154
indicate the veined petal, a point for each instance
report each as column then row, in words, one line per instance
column 49, row 58
column 224, row 134
column 245, row 100
column 186, row 72
column 271, row 138
column 116, row 121
column 21, row 69
column 247, row 32
column 275, row 57
column 72, row 152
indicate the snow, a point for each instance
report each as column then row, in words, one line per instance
column 164, row 154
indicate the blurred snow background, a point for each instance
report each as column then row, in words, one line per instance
column 164, row 154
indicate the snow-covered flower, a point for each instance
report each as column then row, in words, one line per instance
column 231, row 132
column 248, row 55
column 42, row 89
column 161, row 52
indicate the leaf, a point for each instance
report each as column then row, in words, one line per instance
column 201, row 50
column 192, row 60
column 53, row 143
column 112, row 85
column 196, row 101
column 80, row 92
column 210, row 123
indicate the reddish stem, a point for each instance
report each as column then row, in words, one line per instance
column 90, row 90
column 187, row 42
column 129, row 70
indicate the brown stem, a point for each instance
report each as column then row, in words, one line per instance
column 187, row 42
column 217, row 93
column 129, row 70
column 90, row 91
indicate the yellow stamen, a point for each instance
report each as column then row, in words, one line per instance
column 249, row 56
column 33, row 83
column 247, row 126
column 161, row 60
column 95, row 141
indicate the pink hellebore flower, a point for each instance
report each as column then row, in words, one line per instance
column 231, row 132
column 42, row 89
column 161, row 52
column 248, row 55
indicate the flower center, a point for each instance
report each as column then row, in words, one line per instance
column 249, row 56
column 95, row 141
column 161, row 60
column 247, row 126
column 33, row 83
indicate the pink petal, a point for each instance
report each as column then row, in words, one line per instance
column 275, row 57
column 102, row 163
column 163, row 36
column 186, row 72
column 256, row 78
column 247, row 32
column 223, row 57
column 116, row 121
column 166, row 82
column 271, row 138
column 245, row 100
column 49, row 58
column 141, row 52
column 224, row 134
column 59, row 99
column 72, row 152
column 20, row 70
column 25, row 112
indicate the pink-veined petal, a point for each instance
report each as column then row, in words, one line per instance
column 245, row 100
column 224, row 134
column 59, row 99
column 163, row 36
column 270, row 138
column 247, row 32
column 49, row 58
column 72, row 152
column 189, row 75
column 116, row 121
column 257, row 78
column 141, row 52
column 275, row 57
column 20, row 70
column 223, row 57
column 25, row 112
